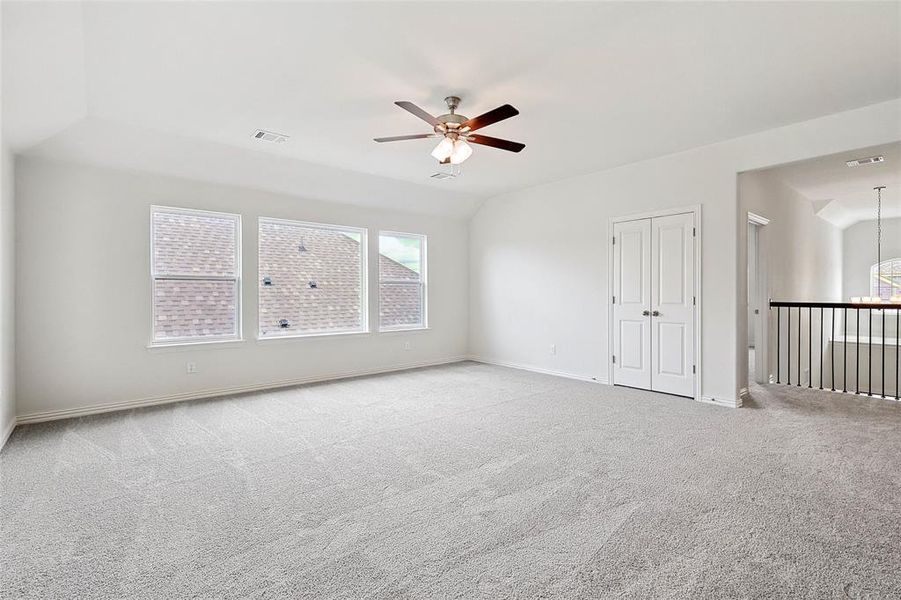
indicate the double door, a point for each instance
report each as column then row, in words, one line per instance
column 654, row 304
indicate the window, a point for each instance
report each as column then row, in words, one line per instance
column 312, row 279
column 889, row 283
column 195, row 267
column 402, row 281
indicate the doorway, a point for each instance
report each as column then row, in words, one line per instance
column 757, row 301
column 654, row 302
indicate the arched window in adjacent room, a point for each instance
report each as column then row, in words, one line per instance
column 885, row 280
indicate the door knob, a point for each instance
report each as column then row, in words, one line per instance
column 645, row 313
column 656, row 313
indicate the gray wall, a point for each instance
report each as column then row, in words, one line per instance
column 83, row 284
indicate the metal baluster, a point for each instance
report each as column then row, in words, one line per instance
column 870, row 355
column 882, row 389
column 845, row 351
column 857, row 352
column 810, row 346
column 832, row 349
column 799, row 346
column 788, row 346
column 897, row 358
column 778, row 344
column 821, row 347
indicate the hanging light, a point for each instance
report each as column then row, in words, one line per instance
column 443, row 150
column 879, row 279
column 461, row 152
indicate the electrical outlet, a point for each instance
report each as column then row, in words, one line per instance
column 553, row 349
column 407, row 345
column 190, row 367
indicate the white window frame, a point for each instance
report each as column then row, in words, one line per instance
column 364, row 278
column 208, row 339
column 423, row 282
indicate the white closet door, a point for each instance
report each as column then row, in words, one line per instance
column 631, row 302
column 672, row 304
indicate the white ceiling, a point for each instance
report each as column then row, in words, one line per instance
column 175, row 86
column 844, row 195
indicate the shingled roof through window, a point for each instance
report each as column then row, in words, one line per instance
column 330, row 260
column 313, row 274
column 197, row 245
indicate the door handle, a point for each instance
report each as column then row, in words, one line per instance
column 645, row 313
column 656, row 313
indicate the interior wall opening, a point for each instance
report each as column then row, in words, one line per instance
column 821, row 280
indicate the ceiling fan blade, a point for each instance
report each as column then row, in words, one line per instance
column 409, row 106
column 398, row 138
column 495, row 142
column 492, row 116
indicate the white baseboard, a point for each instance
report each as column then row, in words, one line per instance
column 8, row 431
column 500, row 363
column 67, row 413
column 728, row 402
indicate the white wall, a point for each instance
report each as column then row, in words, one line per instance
column 7, row 295
column 84, row 292
column 804, row 258
column 538, row 259
column 860, row 253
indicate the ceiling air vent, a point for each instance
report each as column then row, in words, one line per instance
column 269, row 136
column 442, row 175
column 865, row 161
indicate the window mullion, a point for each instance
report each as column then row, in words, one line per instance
column 195, row 277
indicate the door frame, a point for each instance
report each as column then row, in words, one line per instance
column 761, row 372
column 695, row 211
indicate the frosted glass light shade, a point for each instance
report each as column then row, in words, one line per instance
column 461, row 152
column 443, row 150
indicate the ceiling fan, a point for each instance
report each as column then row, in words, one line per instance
column 456, row 130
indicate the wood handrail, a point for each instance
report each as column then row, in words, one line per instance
column 874, row 305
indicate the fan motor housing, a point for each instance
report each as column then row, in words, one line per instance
column 451, row 120
column 450, row 124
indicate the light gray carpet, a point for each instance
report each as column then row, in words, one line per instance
column 465, row 481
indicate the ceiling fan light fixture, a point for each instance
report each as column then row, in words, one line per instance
column 461, row 152
column 443, row 150
column 457, row 130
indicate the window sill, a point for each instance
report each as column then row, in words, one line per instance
column 194, row 344
column 404, row 329
column 275, row 338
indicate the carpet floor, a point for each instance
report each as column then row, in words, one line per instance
column 462, row 481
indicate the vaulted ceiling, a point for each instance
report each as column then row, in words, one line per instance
column 179, row 87
column 844, row 195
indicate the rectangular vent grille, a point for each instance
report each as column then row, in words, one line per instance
column 442, row 176
column 269, row 136
column 865, row 161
